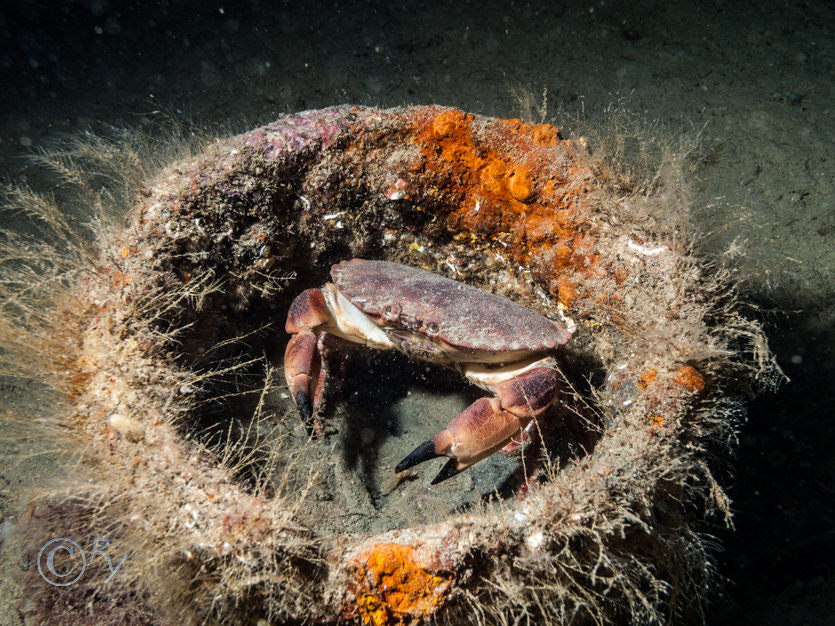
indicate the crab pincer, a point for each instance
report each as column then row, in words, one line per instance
column 488, row 424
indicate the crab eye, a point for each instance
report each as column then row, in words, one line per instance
column 391, row 312
column 432, row 328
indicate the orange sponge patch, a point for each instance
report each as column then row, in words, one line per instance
column 393, row 586
column 515, row 185
column 690, row 378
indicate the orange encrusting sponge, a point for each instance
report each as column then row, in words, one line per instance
column 517, row 185
column 393, row 586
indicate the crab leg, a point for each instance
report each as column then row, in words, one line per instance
column 488, row 424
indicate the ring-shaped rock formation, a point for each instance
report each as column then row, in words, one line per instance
column 194, row 277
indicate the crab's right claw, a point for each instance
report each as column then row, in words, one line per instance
column 302, row 361
column 301, row 368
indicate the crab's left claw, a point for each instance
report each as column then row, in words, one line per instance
column 488, row 424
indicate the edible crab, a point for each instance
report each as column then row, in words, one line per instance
column 500, row 346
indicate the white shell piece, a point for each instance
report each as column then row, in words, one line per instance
column 645, row 250
column 127, row 427
column 535, row 540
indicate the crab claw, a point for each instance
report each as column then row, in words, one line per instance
column 479, row 430
column 301, row 369
column 303, row 366
column 488, row 424
column 307, row 311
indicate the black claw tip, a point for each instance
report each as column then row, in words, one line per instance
column 305, row 410
column 448, row 471
column 303, row 404
column 423, row 452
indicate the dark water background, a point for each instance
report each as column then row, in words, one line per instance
column 755, row 79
